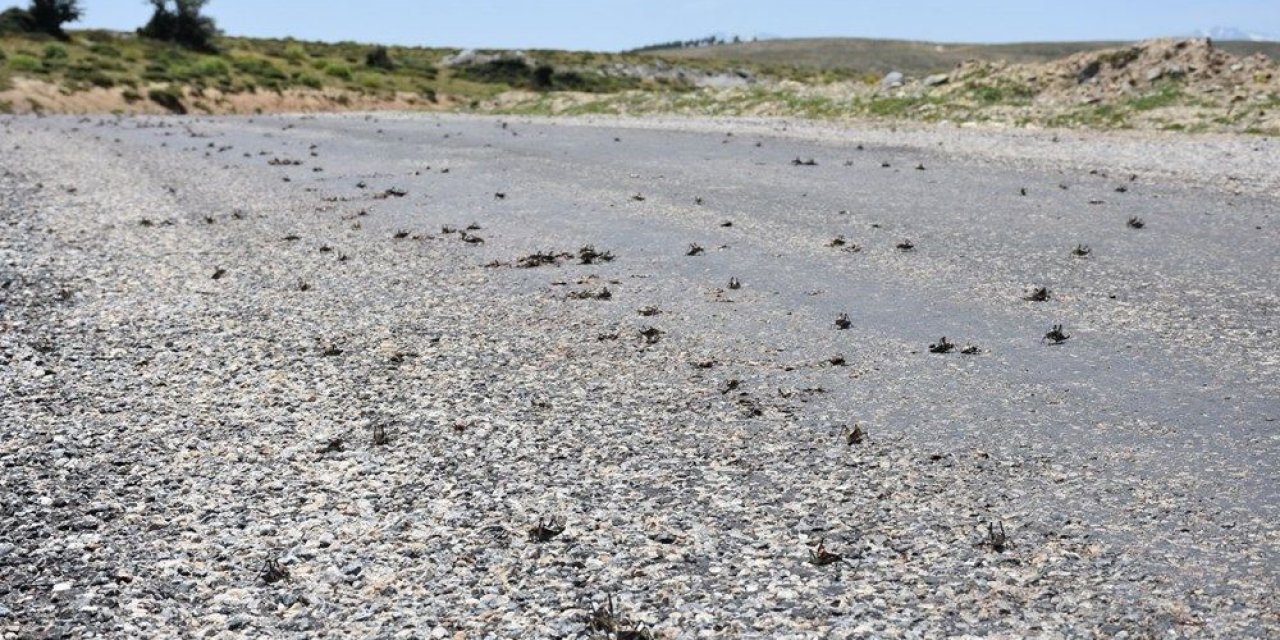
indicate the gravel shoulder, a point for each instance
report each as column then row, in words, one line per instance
column 253, row 386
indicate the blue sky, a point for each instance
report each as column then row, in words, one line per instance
column 621, row 24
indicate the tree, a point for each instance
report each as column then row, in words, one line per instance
column 16, row 20
column 48, row 16
column 182, row 24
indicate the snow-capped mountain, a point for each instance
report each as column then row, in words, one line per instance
column 1233, row 33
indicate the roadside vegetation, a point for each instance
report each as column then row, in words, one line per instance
column 179, row 62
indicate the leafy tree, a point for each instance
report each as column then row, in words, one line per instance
column 16, row 20
column 180, row 22
column 48, row 16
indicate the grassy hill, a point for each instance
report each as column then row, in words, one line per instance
column 864, row 55
column 93, row 68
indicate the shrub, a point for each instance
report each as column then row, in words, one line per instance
column 371, row 81
column 208, row 67
column 168, row 97
column 16, row 20
column 338, row 70
column 104, row 49
column 379, row 58
column 307, row 79
column 3, row 55
column 295, row 53
column 25, row 63
column 259, row 68
column 130, row 96
column 54, row 51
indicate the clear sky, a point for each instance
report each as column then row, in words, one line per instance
column 610, row 25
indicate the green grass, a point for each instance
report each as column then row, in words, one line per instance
column 1167, row 94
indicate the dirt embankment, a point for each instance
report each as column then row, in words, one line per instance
column 29, row 95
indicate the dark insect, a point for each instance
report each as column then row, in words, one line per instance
column 837, row 241
column 218, row 273
column 446, row 229
column 380, row 437
column 735, row 284
column 942, row 346
column 836, row 361
column 303, row 286
column 292, row 237
column 906, row 245
column 920, row 167
column 400, row 235
column 499, row 196
column 638, row 198
column 649, row 311
column 471, row 239
column 727, row 223
column 1023, row 191
column 855, row 436
column 996, row 539
column 697, row 201
column 1055, row 335
column 694, row 250
column 1039, row 295
column 821, row 557
column 544, row 531
column 651, row 335
column 731, row 385
column 272, row 572
column 1136, row 223
column 474, row 226
column 1081, row 251
column 804, row 163
column 843, row 322
column 589, row 255
column 603, row 294
column 971, row 350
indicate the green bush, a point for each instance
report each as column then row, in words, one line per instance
column 371, row 81
column 25, row 63
column 105, row 50
column 209, row 67
column 295, row 53
column 3, row 55
column 130, row 96
column 258, row 67
column 338, row 70
column 308, row 79
column 55, row 51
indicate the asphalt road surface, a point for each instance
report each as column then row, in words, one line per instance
column 208, row 323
